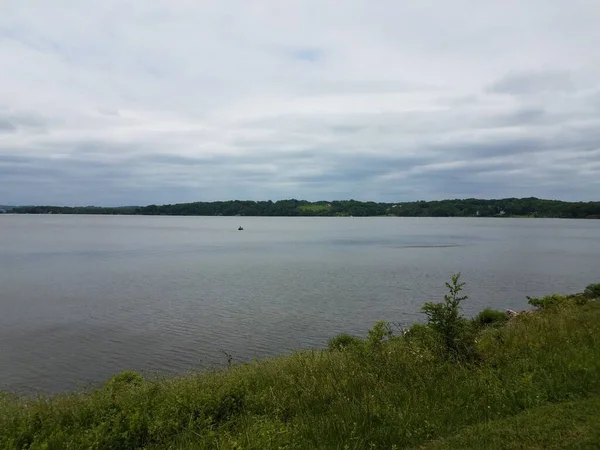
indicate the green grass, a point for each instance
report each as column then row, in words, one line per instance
column 395, row 394
column 569, row 425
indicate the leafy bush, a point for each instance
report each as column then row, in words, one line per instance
column 380, row 332
column 580, row 299
column 548, row 301
column 454, row 331
column 422, row 335
column 417, row 331
column 343, row 341
column 123, row 380
column 592, row 290
column 490, row 317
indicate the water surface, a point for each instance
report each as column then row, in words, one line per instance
column 83, row 297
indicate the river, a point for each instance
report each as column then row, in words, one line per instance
column 83, row 297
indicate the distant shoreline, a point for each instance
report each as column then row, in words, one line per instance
column 501, row 208
column 302, row 216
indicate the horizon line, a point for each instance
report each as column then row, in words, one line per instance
column 293, row 199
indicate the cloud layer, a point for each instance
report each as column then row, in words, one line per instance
column 153, row 101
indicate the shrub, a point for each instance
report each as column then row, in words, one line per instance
column 490, row 317
column 381, row 331
column 422, row 335
column 418, row 330
column 454, row 332
column 548, row 301
column 123, row 380
column 592, row 290
column 343, row 341
column 580, row 299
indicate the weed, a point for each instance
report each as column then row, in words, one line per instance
column 548, row 301
column 592, row 290
column 380, row 332
column 454, row 331
column 490, row 317
column 344, row 341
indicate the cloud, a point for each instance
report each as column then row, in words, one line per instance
column 308, row 54
column 162, row 102
column 534, row 82
column 6, row 127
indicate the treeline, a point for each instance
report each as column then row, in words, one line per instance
column 509, row 207
column 128, row 210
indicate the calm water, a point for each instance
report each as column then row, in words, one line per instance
column 82, row 297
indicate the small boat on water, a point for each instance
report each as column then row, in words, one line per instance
column 240, row 228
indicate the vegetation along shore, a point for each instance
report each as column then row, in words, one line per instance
column 508, row 207
column 499, row 380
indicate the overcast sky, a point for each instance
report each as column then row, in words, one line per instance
column 119, row 102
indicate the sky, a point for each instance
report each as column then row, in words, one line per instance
column 133, row 102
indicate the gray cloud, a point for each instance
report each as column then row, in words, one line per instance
column 533, row 82
column 524, row 116
column 13, row 120
column 6, row 127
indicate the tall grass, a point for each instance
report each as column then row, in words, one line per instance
column 567, row 425
column 397, row 392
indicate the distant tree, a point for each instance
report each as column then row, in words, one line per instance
column 293, row 207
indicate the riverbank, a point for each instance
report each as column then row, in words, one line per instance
column 385, row 391
column 471, row 207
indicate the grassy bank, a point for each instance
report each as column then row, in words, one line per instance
column 567, row 425
column 535, row 373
